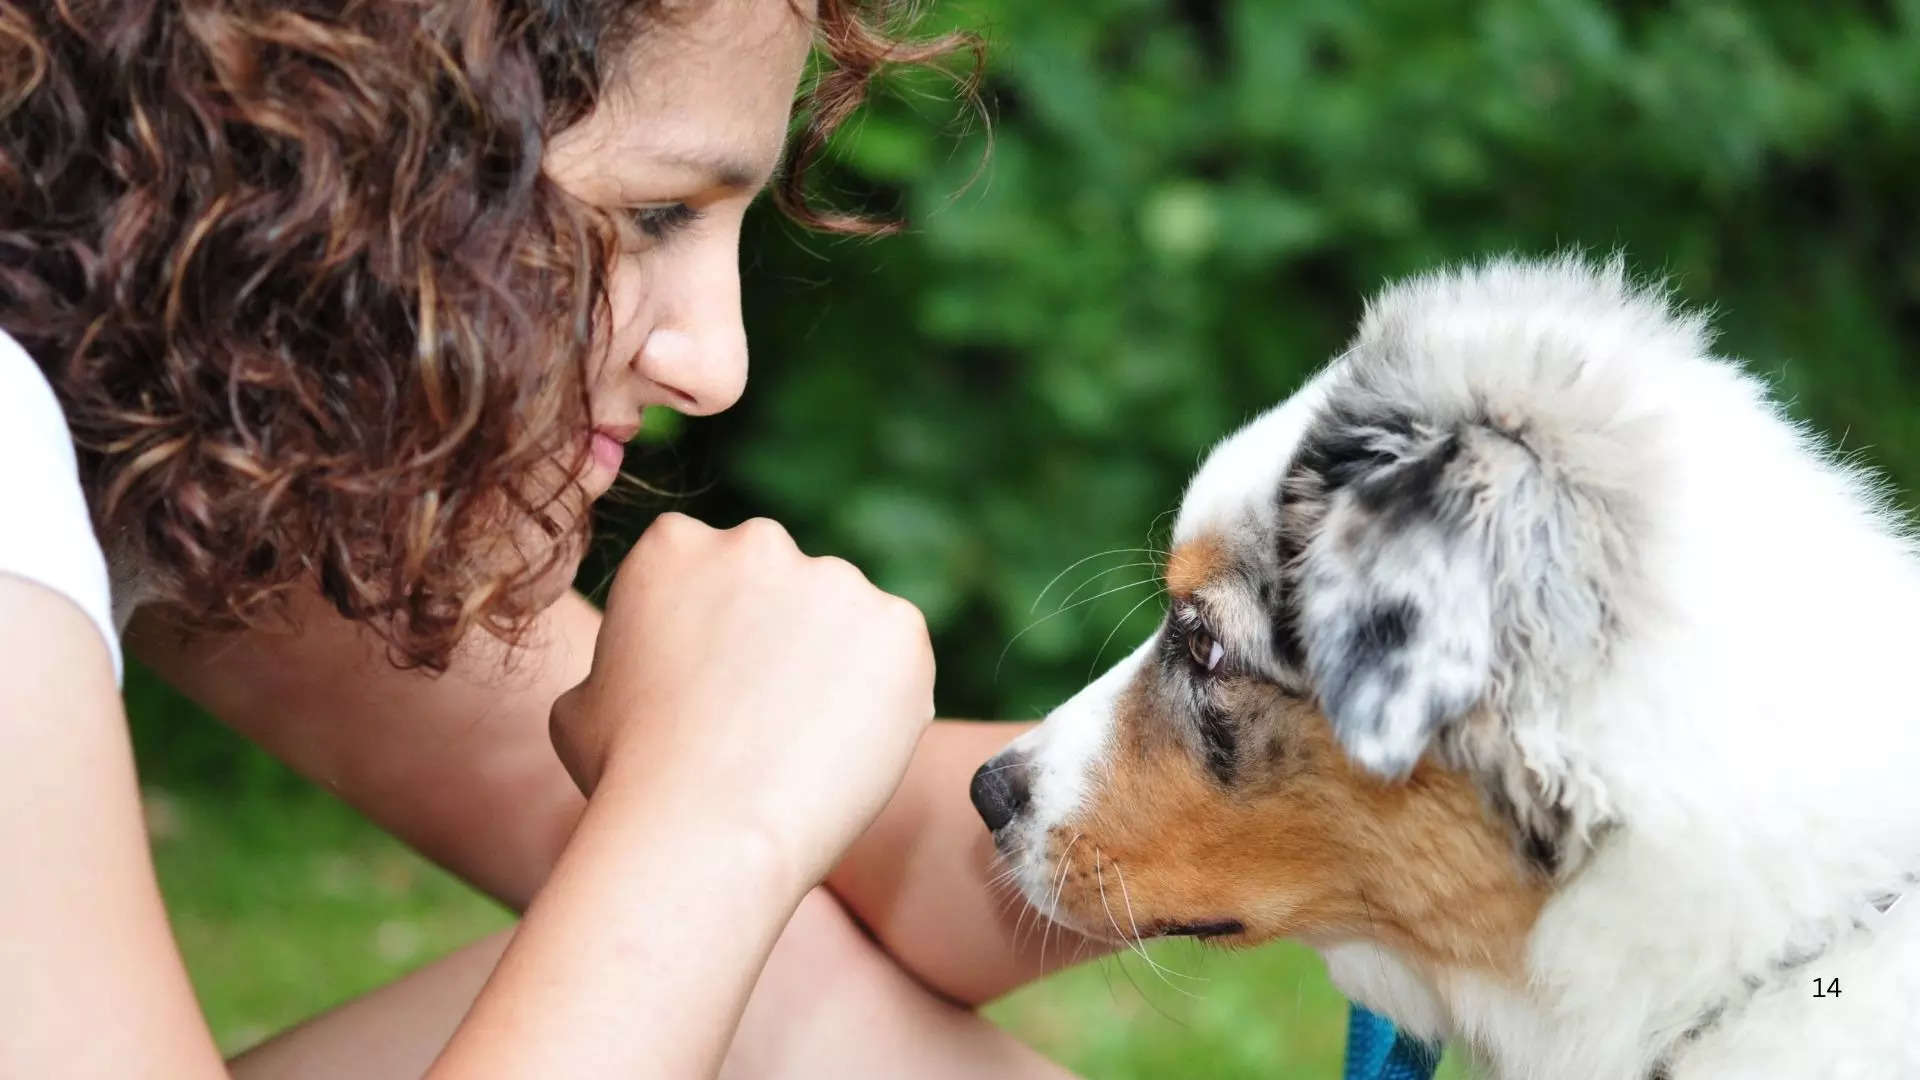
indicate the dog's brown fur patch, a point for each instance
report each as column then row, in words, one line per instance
column 1195, row 563
column 1302, row 845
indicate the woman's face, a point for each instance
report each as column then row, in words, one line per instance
column 688, row 132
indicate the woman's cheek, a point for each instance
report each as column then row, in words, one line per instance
column 626, row 317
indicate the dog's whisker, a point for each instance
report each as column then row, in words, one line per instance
column 1053, row 902
column 1131, row 945
column 1082, row 562
column 1030, row 627
column 1154, row 525
column 1135, row 943
column 1106, row 974
column 1020, row 923
column 1067, row 599
column 1008, row 903
column 1152, row 964
column 1116, row 629
column 1119, row 959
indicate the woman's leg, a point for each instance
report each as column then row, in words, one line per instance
column 390, row 1033
column 830, row 1003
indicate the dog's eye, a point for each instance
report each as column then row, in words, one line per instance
column 1204, row 650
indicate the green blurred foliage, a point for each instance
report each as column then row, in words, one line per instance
column 1185, row 206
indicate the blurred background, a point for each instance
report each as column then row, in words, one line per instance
column 1185, row 205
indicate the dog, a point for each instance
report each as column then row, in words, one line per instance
column 1535, row 668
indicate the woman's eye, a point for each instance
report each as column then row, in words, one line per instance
column 659, row 222
column 1205, row 651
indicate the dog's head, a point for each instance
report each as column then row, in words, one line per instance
column 1380, row 596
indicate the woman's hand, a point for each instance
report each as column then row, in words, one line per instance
column 779, row 687
column 748, row 712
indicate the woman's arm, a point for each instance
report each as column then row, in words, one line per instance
column 459, row 766
column 90, row 982
column 636, row 958
column 748, row 711
column 462, row 768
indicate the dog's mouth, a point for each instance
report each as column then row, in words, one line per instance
column 1203, row 930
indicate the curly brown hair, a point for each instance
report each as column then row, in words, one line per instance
column 314, row 312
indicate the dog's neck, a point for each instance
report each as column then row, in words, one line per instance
column 1794, row 958
column 1523, row 1027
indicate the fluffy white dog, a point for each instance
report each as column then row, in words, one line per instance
column 1535, row 668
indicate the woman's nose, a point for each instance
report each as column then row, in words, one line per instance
column 705, row 369
column 699, row 352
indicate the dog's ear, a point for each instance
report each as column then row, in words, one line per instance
column 1431, row 567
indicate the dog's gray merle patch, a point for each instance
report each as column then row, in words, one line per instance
column 1378, row 539
column 1436, row 563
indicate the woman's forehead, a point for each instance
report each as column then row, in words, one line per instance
column 704, row 96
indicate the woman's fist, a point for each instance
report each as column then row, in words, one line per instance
column 741, row 674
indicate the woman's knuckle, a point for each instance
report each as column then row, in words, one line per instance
column 762, row 534
column 672, row 523
column 669, row 530
column 905, row 613
column 839, row 570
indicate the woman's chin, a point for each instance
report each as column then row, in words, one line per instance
column 557, row 580
column 549, row 549
column 558, row 545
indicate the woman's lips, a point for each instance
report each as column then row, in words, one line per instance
column 608, row 446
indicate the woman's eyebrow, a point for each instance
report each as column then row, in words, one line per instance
column 727, row 172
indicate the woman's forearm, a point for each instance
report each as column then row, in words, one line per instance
column 637, row 957
column 458, row 765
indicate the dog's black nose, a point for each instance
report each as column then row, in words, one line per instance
column 1000, row 789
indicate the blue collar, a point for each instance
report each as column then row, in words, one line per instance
column 1376, row 1050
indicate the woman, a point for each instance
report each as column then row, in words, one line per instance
column 324, row 323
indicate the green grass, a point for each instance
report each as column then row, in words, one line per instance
column 285, row 902
column 1255, row 1015
column 288, row 905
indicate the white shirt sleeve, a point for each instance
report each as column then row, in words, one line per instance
column 47, row 536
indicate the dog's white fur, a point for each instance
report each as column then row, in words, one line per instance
column 1739, row 744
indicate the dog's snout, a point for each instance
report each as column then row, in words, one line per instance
column 1000, row 789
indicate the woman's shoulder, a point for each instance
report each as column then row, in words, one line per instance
column 48, row 538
